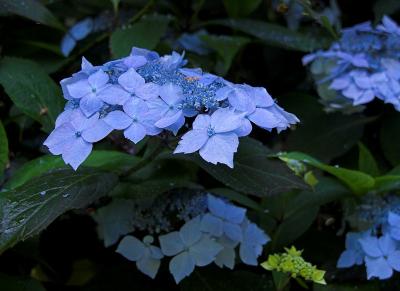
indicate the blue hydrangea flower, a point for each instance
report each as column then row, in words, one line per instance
column 226, row 257
column 140, row 120
column 89, row 91
column 353, row 254
column 252, row 245
column 213, row 136
column 73, row 140
column 361, row 66
column 147, row 257
column 223, row 219
column 190, row 247
column 136, row 86
column 382, row 256
column 394, row 225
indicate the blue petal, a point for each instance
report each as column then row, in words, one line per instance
column 378, row 267
column 226, row 258
column 386, row 244
column 249, row 254
column 217, row 206
column 90, row 104
column 77, row 152
column 212, row 224
column 394, row 260
column 148, row 266
column 234, row 214
column 131, row 248
column 233, row 231
column 204, row 251
column 67, row 44
column 190, row 232
column 220, row 149
column 192, row 141
column 181, row 266
column 347, row 259
column 171, row 243
column 82, row 28
column 370, row 246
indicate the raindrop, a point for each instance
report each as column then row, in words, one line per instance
column 65, row 195
column 42, row 193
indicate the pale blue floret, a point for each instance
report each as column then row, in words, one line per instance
column 394, row 225
column 253, row 241
column 223, row 219
column 213, row 136
column 147, row 257
column 382, row 256
column 353, row 254
column 189, row 248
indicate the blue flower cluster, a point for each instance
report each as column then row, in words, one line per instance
column 362, row 65
column 209, row 237
column 145, row 94
column 379, row 246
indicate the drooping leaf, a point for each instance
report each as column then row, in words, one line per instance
column 324, row 136
column 276, row 35
column 104, row 160
column 366, row 161
column 239, row 8
column 226, row 47
column 357, row 181
column 28, row 209
column 253, row 173
column 31, row 90
column 146, row 33
column 31, row 9
column 3, row 148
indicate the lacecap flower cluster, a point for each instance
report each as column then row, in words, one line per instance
column 144, row 94
column 210, row 237
column 378, row 247
column 363, row 65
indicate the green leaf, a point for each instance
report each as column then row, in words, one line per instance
column 31, row 9
column 390, row 139
column 387, row 183
column 357, row 181
column 239, row 8
column 253, row 173
column 14, row 283
column 146, row 33
column 276, row 35
column 373, row 286
column 28, row 209
column 31, row 90
column 115, row 220
column 104, row 160
column 281, row 280
column 3, row 148
column 366, row 161
column 324, row 136
column 385, row 7
column 226, row 47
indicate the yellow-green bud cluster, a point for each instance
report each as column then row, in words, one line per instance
column 292, row 263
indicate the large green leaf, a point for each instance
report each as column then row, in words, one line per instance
column 105, row 160
column 31, row 90
column 324, row 136
column 366, row 161
column 31, row 9
column 3, row 148
column 357, row 181
column 226, row 47
column 146, row 33
column 28, row 209
column 239, row 8
column 276, row 35
column 253, row 173
column 390, row 139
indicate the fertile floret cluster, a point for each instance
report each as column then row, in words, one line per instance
column 293, row 264
column 211, row 236
column 363, row 65
column 378, row 246
column 144, row 94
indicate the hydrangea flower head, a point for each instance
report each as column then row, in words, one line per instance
column 354, row 254
column 145, row 94
column 363, row 65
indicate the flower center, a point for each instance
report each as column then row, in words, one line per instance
column 210, row 131
column 78, row 133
